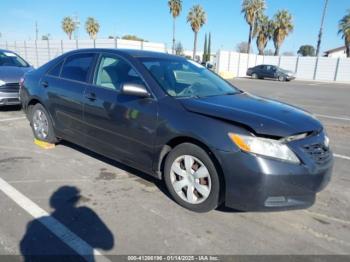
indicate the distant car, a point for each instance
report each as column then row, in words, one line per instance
column 178, row 121
column 270, row 71
column 12, row 69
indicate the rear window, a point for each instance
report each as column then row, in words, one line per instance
column 11, row 59
column 76, row 67
column 56, row 70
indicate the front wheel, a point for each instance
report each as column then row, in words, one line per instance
column 255, row 76
column 42, row 125
column 281, row 78
column 192, row 179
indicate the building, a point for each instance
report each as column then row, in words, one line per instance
column 339, row 52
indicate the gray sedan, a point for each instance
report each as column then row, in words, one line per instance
column 12, row 69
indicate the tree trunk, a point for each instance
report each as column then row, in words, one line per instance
column 70, row 36
column 174, row 36
column 195, row 45
column 249, row 38
column 348, row 50
column 259, row 46
column 277, row 50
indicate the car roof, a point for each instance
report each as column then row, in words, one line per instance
column 8, row 51
column 266, row 65
column 131, row 52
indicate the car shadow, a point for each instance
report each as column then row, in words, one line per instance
column 224, row 209
column 10, row 108
column 158, row 183
column 39, row 243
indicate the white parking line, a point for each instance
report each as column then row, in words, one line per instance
column 342, row 157
column 12, row 119
column 333, row 117
column 68, row 237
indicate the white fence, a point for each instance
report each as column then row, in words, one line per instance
column 308, row 68
column 39, row 52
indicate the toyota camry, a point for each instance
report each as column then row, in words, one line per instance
column 172, row 118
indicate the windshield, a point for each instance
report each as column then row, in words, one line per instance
column 11, row 59
column 184, row 78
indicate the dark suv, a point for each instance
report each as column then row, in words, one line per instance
column 178, row 121
column 270, row 71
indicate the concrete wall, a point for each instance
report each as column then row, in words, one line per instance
column 235, row 64
column 39, row 52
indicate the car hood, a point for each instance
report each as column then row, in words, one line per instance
column 12, row 74
column 286, row 72
column 265, row 117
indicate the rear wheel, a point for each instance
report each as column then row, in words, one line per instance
column 42, row 125
column 191, row 178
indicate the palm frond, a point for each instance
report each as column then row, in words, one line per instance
column 175, row 7
column 197, row 18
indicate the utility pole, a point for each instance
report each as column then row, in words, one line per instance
column 36, row 31
column 321, row 28
column 77, row 26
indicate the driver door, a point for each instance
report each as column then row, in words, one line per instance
column 118, row 125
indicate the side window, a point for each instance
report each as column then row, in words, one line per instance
column 113, row 72
column 56, row 70
column 76, row 67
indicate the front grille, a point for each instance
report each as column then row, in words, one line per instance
column 10, row 88
column 318, row 152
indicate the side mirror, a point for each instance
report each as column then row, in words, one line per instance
column 135, row 90
column 210, row 66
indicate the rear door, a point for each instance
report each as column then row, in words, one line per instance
column 120, row 126
column 270, row 71
column 65, row 84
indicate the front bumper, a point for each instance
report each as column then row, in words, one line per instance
column 255, row 183
column 9, row 98
column 289, row 78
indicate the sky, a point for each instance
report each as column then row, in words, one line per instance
column 150, row 19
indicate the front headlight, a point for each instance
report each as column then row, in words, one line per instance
column 2, row 83
column 264, row 147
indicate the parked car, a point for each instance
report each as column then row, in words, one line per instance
column 12, row 69
column 178, row 121
column 270, row 71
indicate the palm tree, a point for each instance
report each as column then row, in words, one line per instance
column 92, row 27
column 251, row 10
column 197, row 18
column 263, row 31
column 344, row 30
column 68, row 26
column 175, row 7
column 283, row 26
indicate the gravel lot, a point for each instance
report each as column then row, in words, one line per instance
column 122, row 211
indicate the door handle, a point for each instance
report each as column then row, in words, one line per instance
column 45, row 84
column 91, row 96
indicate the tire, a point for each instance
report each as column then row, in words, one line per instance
column 41, row 124
column 210, row 185
column 255, row 76
column 281, row 79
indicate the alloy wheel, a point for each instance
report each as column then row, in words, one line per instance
column 40, row 124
